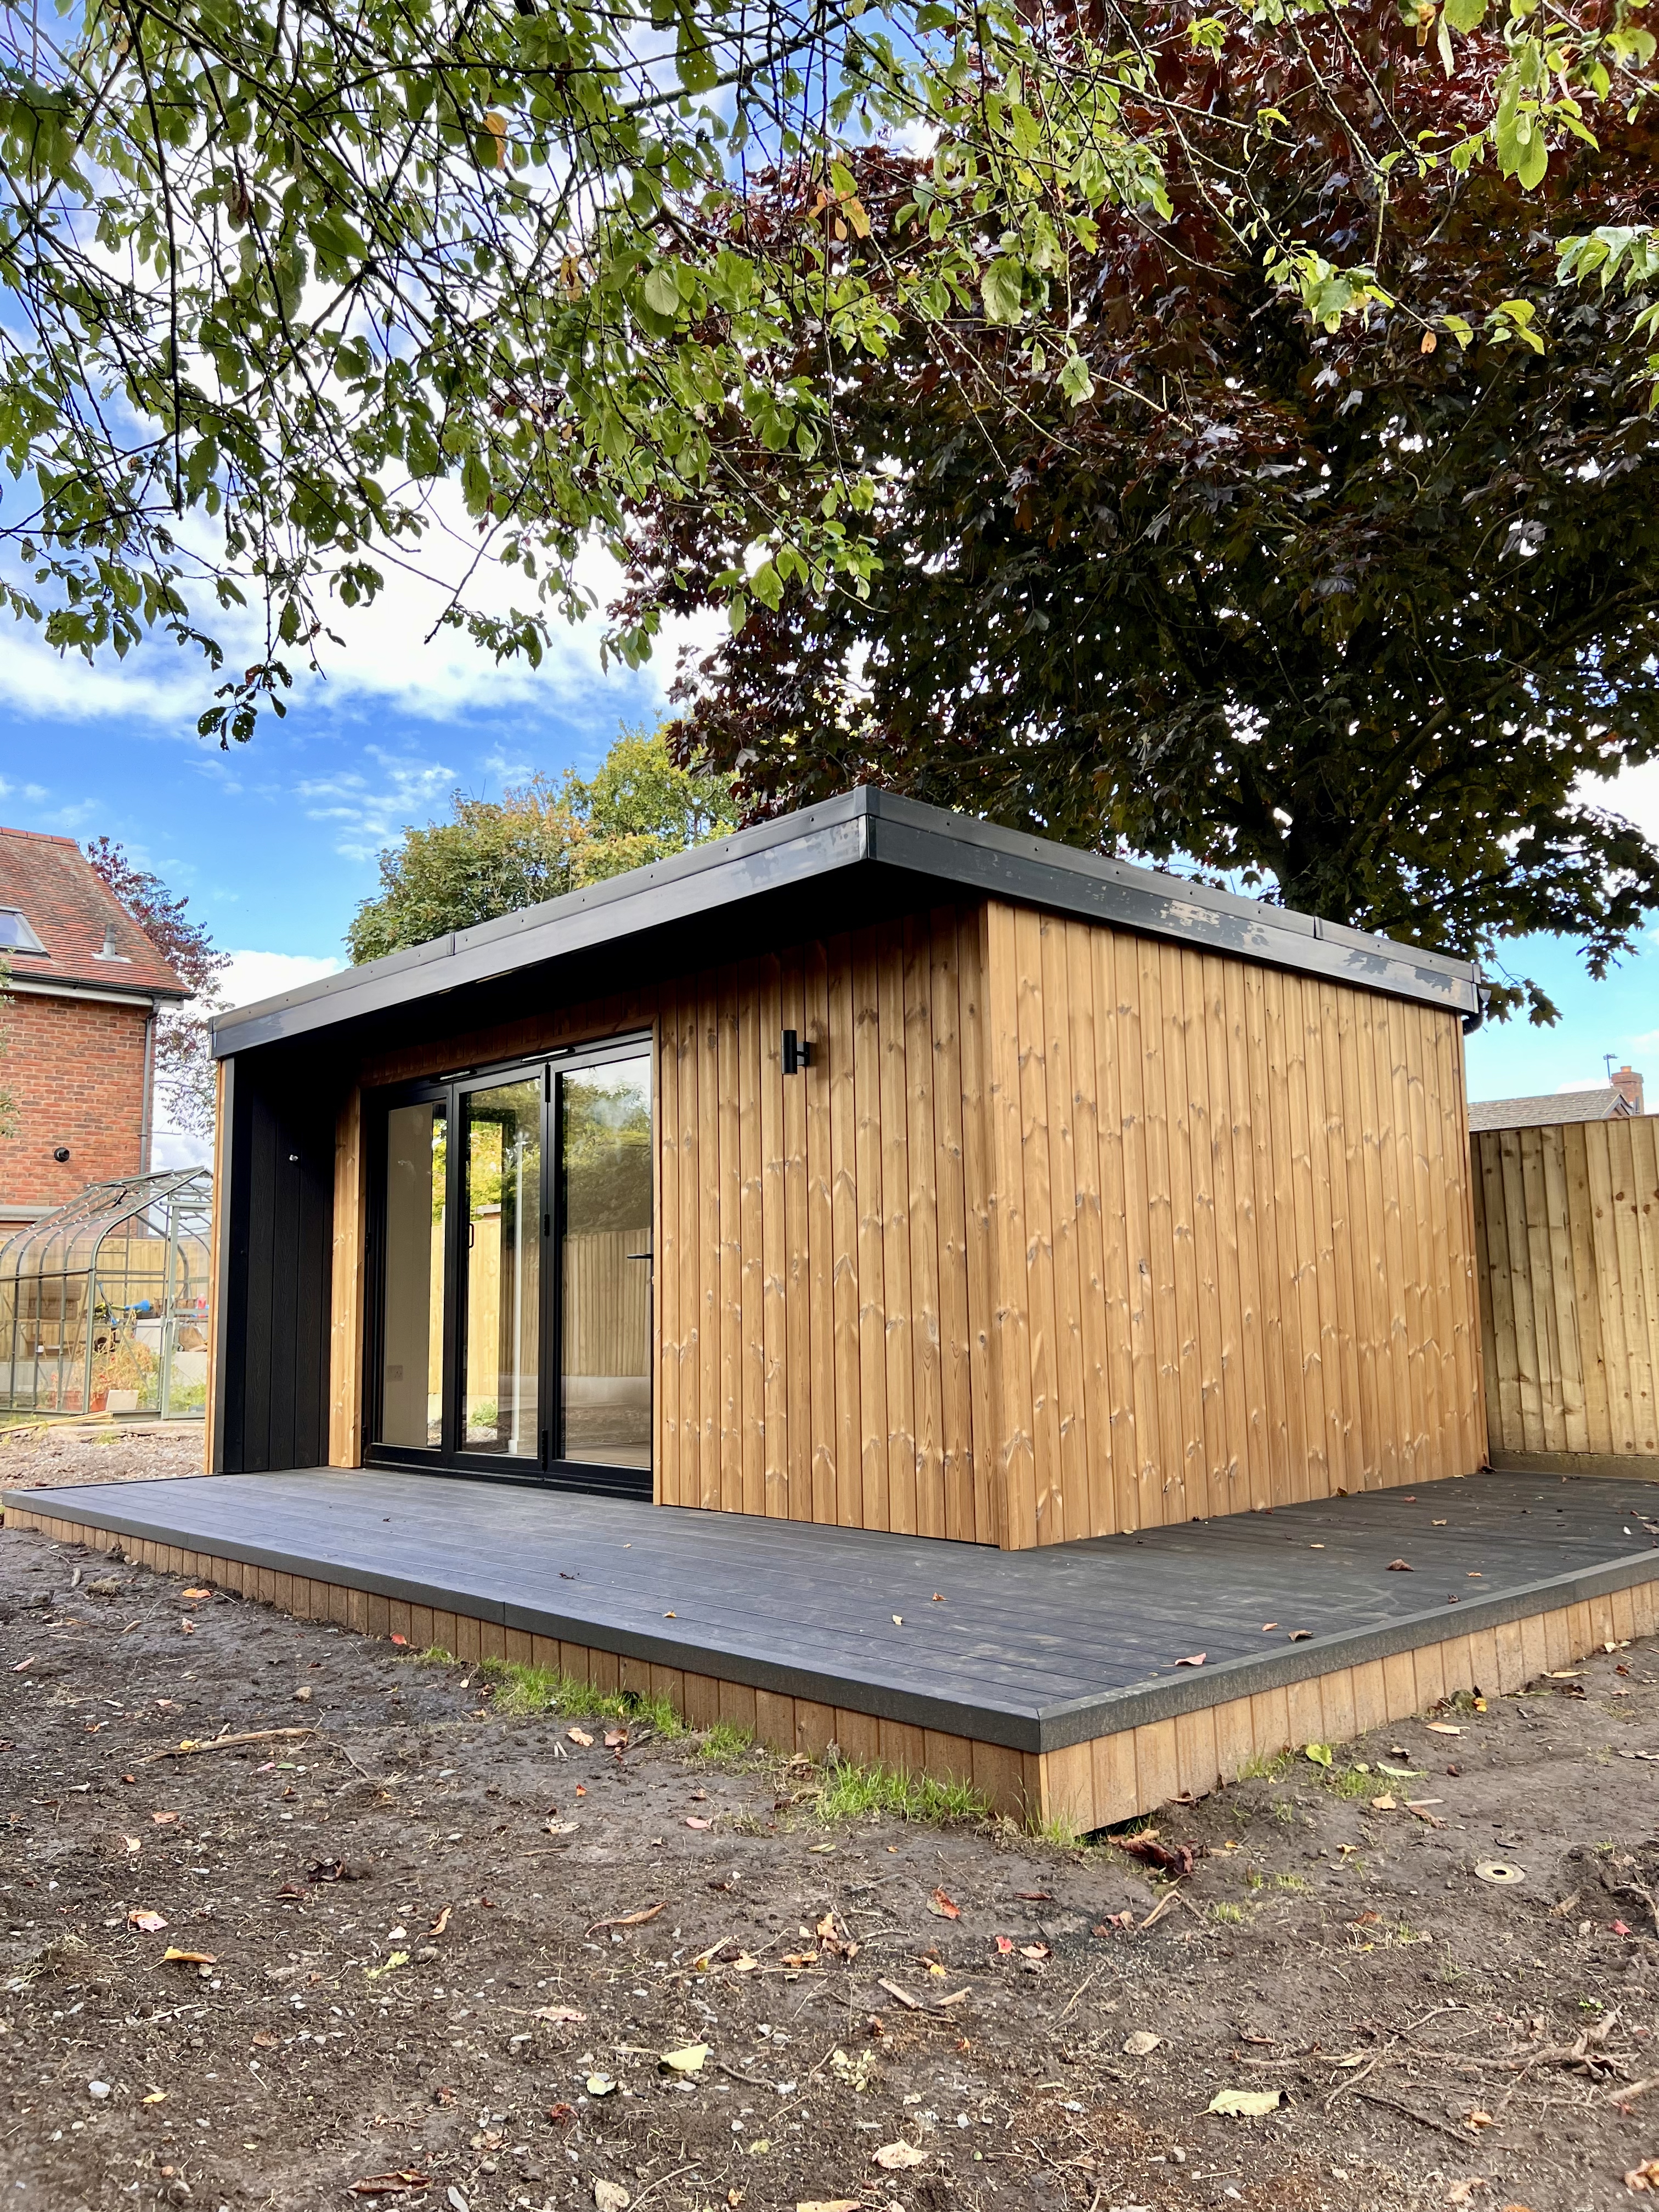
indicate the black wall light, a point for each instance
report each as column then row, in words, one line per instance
column 796, row 1055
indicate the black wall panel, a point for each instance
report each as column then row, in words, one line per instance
column 276, row 1256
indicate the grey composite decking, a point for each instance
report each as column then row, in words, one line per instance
column 1033, row 1651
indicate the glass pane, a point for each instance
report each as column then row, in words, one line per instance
column 411, row 1376
column 604, row 1140
column 503, row 1269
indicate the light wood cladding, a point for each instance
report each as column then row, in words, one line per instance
column 1065, row 1232
column 347, row 1291
column 818, row 1316
column 1567, row 1239
column 1090, row 1785
column 1231, row 1230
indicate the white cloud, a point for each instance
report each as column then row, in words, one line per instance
column 368, row 811
column 1584, row 1083
column 253, row 975
column 392, row 650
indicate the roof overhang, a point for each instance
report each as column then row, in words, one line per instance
column 896, row 852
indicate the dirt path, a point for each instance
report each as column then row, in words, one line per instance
column 63, row 1452
column 407, row 1970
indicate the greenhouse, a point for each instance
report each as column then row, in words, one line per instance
column 104, row 1303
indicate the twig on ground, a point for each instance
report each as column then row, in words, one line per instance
column 224, row 1742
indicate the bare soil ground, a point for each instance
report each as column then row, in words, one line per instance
column 445, row 1948
column 49, row 1454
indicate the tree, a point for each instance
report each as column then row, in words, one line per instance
column 538, row 840
column 1343, row 610
column 185, row 1072
column 276, row 274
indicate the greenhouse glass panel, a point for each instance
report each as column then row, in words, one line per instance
column 104, row 1303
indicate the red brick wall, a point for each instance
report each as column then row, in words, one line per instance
column 74, row 1069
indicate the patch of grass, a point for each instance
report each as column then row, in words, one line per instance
column 1265, row 1767
column 434, row 1656
column 1350, row 1781
column 855, row 1793
column 1290, row 1882
column 1284, row 1812
column 1235, row 1916
column 1065, row 1835
column 724, row 1743
column 521, row 1690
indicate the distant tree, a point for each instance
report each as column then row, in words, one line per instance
column 538, row 840
column 1344, row 609
column 183, row 1059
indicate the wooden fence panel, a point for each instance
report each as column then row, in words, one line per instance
column 1567, row 1247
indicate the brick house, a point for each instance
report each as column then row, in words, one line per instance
column 86, row 986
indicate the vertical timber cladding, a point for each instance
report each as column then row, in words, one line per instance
column 1232, row 1233
column 273, row 1239
column 823, row 1275
column 1567, row 1240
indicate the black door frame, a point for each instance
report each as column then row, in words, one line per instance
column 548, row 1468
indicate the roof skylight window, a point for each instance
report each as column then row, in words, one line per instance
column 16, row 933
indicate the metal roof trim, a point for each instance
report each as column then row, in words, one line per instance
column 859, row 827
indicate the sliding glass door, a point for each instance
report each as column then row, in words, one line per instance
column 513, row 1271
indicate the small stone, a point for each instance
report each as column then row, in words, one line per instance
column 98, row 2090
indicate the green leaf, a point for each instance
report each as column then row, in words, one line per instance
column 1465, row 15
column 662, row 291
column 1000, row 287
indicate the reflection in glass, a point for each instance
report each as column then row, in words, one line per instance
column 412, row 1378
column 604, row 1141
column 503, row 1269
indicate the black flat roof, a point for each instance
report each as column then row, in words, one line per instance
column 896, row 847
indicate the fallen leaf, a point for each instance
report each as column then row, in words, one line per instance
column 601, row 2085
column 163, row 1820
column 1384, row 1804
column 1400, row 1773
column 945, row 1907
column 198, row 1593
column 558, row 2015
column 938, row 1597
column 898, row 1620
column 190, row 1958
column 1644, row 2177
column 759, row 2148
column 442, row 1922
column 1246, row 2104
column 1320, row 1753
column 1141, row 2043
column 829, row 2204
column 1400, row 1567
column 1167, row 1858
column 155, row 2097
column 696, row 1821
column 630, row 1919
column 1034, row 1950
column 1563, row 1674
column 1437, row 1524
column 688, row 2060
column 1005, row 1946
column 894, row 2157
column 151, row 1923
column 1301, row 1635
column 561, row 1828
column 561, row 2115
column 1442, row 1728
column 615, row 1739
column 1474, row 2117
column 390, row 2184
column 389, row 1965
column 1268, row 1625
column 581, row 1736
column 1618, row 1927
column 1463, row 2192
column 22, row 1665
column 798, row 1958
column 610, row 2196
column 403, row 1640
column 1196, row 1660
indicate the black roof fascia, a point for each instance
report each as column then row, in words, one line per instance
column 865, row 829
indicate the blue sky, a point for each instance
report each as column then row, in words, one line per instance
column 275, row 843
